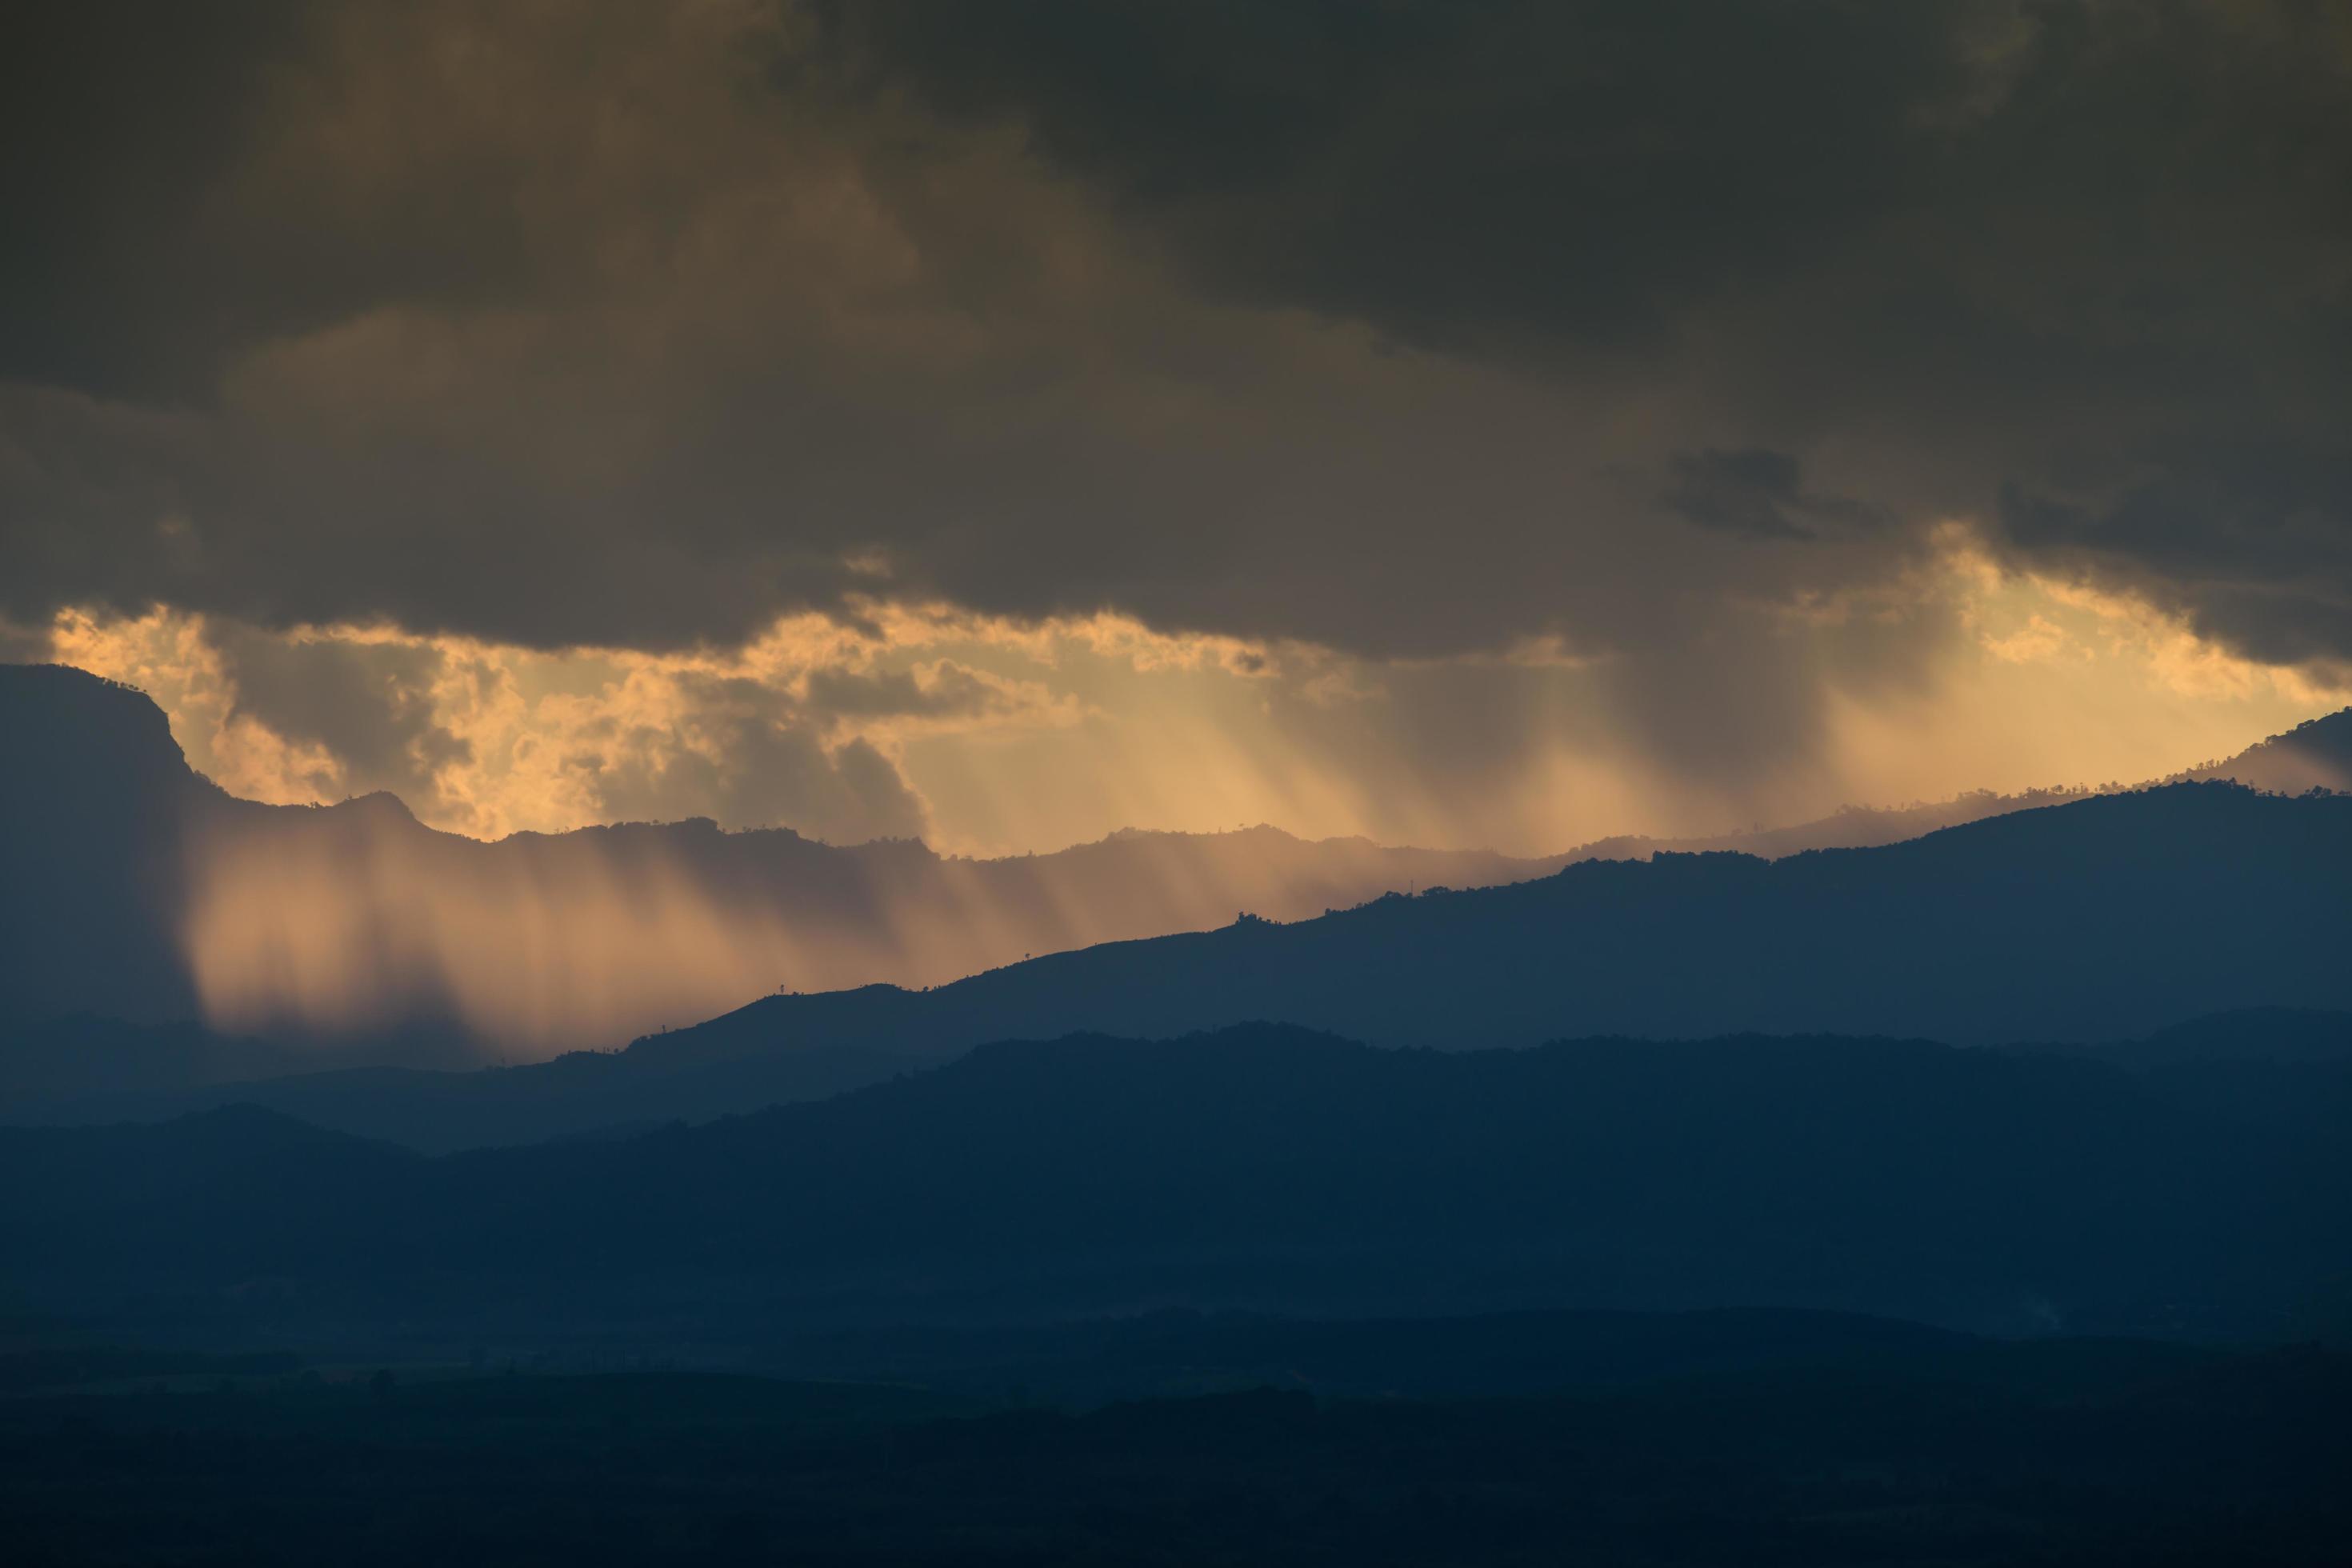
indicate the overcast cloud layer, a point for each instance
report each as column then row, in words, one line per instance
column 1665, row 340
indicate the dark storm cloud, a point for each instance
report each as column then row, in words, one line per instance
column 1991, row 237
column 2255, row 544
column 368, row 704
column 1499, row 178
column 1411, row 329
column 1757, row 493
column 951, row 692
column 752, row 758
column 114, row 118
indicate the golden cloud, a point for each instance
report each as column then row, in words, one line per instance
column 987, row 733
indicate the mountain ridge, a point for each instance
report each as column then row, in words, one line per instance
column 197, row 875
column 1274, row 1167
column 2112, row 917
column 688, row 912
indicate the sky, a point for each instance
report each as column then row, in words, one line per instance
column 1462, row 423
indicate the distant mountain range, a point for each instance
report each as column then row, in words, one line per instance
column 2317, row 754
column 134, row 889
column 1274, row 1168
column 1745, row 1111
column 2110, row 918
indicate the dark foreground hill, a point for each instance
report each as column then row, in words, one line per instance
column 2108, row 919
column 2065, row 1454
column 1276, row 1169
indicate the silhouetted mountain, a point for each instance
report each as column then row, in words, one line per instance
column 79, row 1057
column 1855, row 828
column 236, row 1156
column 2115, row 916
column 135, row 889
column 581, row 1095
column 2317, row 754
column 2313, row 755
column 2062, row 1454
column 1279, row 1169
column 1180, row 1352
column 2251, row 1035
column 94, row 796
